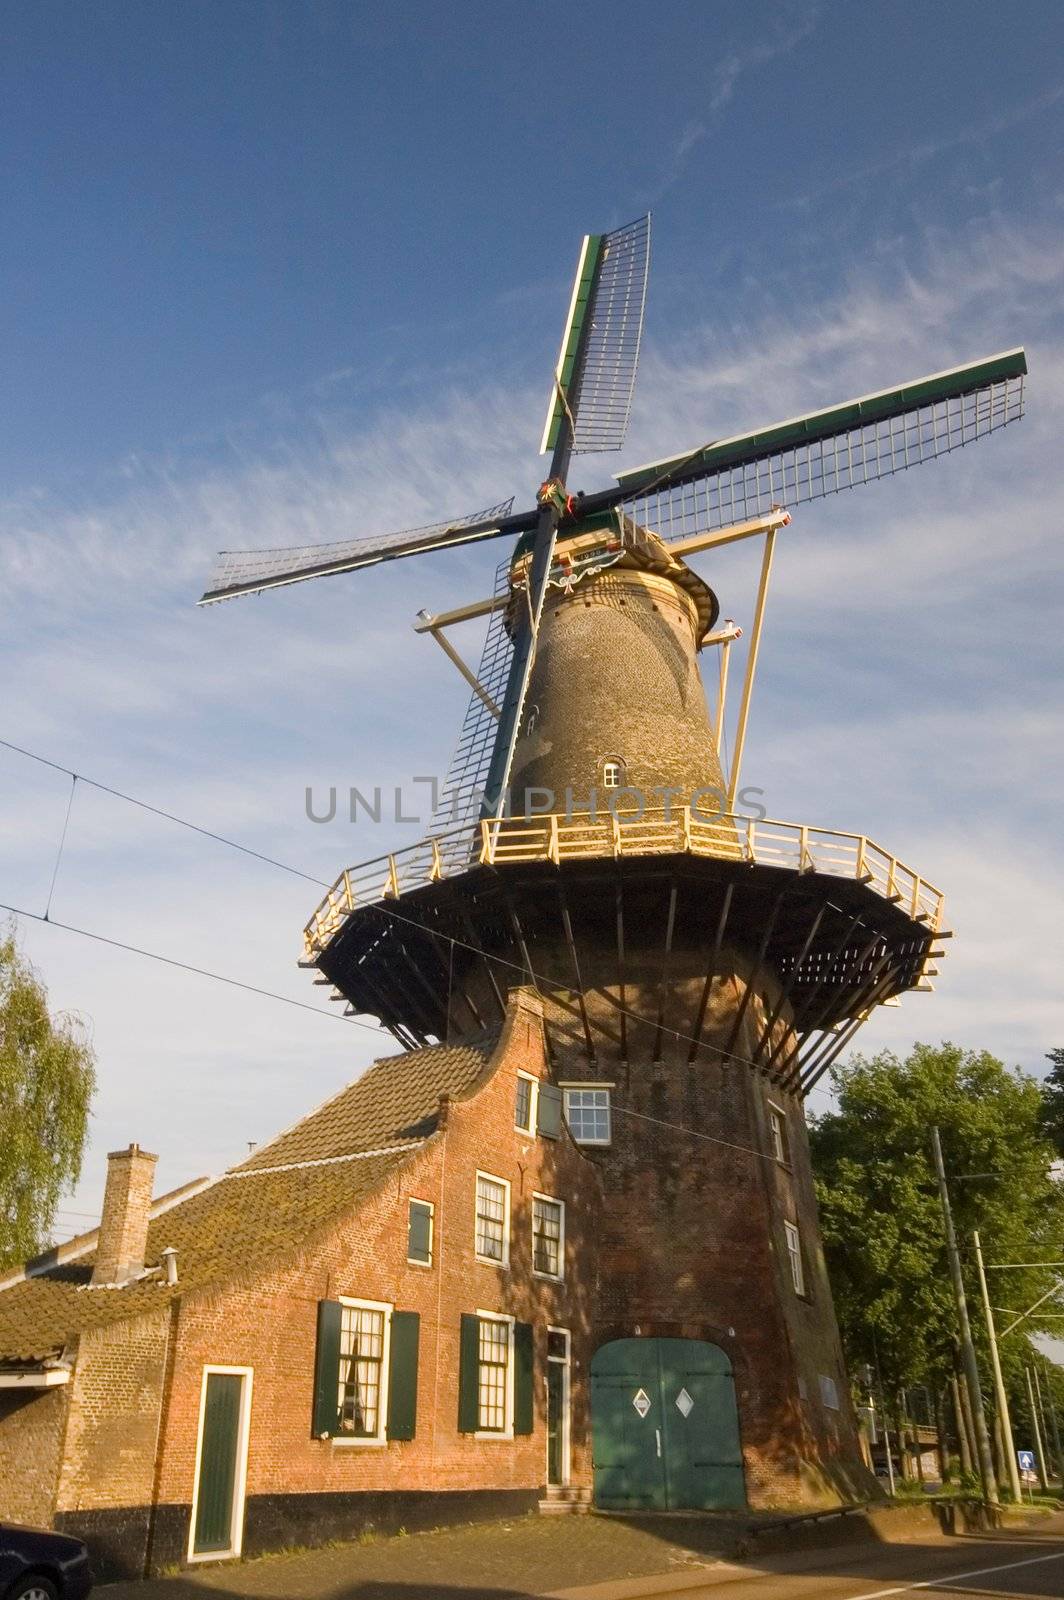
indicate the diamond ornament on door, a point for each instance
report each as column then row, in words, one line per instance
column 684, row 1404
column 641, row 1401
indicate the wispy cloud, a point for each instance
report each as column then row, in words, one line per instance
column 900, row 688
column 923, row 151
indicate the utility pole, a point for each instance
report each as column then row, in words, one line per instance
column 1008, row 1444
column 1038, row 1444
column 971, row 1365
column 1055, row 1426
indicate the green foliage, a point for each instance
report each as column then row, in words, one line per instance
column 47, row 1075
column 880, row 1211
column 1053, row 1101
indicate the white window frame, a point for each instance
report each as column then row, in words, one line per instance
column 506, row 1433
column 610, row 766
column 533, row 1103
column 778, row 1132
column 552, row 1199
column 374, row 1441
column 240, row 1482
column 566, row 1362
column 794, row 1256
column 412, row 1261
column 607, row 1089
column 490, row 1261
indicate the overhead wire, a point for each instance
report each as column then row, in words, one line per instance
column 453, row 940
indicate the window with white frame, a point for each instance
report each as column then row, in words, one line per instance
column 612, row 774
column 794, row 1252
column 778, row 1125
column 525, row 1103
column 494, row 1407
column 363, row 1369
column 493, row 1219
column 588, row 1112
column 548, row 1236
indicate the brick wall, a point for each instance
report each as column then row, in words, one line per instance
column 268, row 1323
column 32, row 1423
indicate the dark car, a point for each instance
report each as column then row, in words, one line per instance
column 35, row 1565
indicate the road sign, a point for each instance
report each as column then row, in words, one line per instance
column 1025, row 1458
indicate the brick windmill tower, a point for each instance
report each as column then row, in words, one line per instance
column 699, row 965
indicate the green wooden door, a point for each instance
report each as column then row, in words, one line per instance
column 703, row 1459
column 215, row 1492
column 665, row 1427
column 556, row 1387
column 626, row 1436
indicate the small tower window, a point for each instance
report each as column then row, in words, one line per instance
column 612, row 775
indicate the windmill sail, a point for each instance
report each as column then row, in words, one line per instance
column 463, row 790
column 238, row 572
column 823, row 452
column 595, row 374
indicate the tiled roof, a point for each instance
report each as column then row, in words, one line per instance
column 262, row 1210
column 394, row 1103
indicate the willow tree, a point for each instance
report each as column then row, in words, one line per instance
column 47, row 1075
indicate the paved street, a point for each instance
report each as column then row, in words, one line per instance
column 649, row 1559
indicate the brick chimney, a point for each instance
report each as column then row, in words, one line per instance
column 124, row 1224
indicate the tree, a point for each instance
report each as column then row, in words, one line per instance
column 880, row 1213
column 1053, row 1101
column 47, row 1075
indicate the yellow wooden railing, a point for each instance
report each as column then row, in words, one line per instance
column 797, row 847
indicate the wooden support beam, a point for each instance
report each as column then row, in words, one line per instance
column 718, row 731
column 467, row 672
column 836, row 950
column 785, row 988
column 663, row 986
column 694, row 542
column 714, row 962
column 814, row 1075
column 812, row 1021
column 621, row 992
column 751, row 666
column 471, row 935
column 575, row 959
column 766, row 936
column 854, row 1001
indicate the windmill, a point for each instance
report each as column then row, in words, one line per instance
column 707, row 497
column 698, row 967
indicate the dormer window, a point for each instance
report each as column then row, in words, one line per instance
column 612, row 775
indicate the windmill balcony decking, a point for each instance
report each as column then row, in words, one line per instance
column 797, row 848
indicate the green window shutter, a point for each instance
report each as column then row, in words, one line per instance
column 469, row 1375
column 419, row 1232
column 402, row 1375
column 327, row 1371
column 523, row 1376
column 549, row 1111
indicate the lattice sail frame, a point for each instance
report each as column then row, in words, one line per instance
column 463, row 788
column 844, row 460
column 239, row 572
column 607, row 307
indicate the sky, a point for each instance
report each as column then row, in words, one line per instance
column 274, row 274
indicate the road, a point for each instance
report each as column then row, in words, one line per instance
column 1014, row 1565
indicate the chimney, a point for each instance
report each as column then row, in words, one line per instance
column 124, row 1224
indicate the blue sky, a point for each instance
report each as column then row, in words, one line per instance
column 276, row 272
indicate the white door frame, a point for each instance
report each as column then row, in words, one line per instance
column 566, row 1364
column 236, row 1526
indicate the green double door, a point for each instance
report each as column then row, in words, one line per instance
column 665, row 1428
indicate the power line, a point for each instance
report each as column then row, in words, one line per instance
column 168, row 816
column 186, row 966
column 284, row 866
